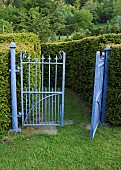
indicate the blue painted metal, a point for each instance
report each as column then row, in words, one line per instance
column 97, row 96
column 13, row 88
column 43, row 102
column 22, row 55
column 63, row 56
column 42, row 84
column 105, row 85
column 28, row 95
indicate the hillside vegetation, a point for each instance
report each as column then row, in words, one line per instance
column 48, row 18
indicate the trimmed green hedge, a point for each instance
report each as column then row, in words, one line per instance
column 24, row 41
column 80, row 65
column 114, row 86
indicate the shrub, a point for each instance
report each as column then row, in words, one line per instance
column 24, row 41
column 5, row 26
column 78, row 36
column 114, row 86
column 80, row 64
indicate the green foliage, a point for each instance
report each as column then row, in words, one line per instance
column 4, row 90
column 45, row 18
column 14, row 3
column 31, row 44
column 116, row 23
column 78, row 36
column 80, row 64
column 5, row 27
column 92, row 7
column 109, row 27
column 49, row 17
column 101, row 10
column 41, row 27
column 82, row 19
column 114, row 86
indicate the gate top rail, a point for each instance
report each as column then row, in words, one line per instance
column 23, row 62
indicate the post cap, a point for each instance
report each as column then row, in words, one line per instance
column 108, row 48
column 12, row 45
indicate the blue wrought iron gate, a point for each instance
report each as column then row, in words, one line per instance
column 42, row 92
column 100, row 90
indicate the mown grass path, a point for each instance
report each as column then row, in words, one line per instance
column 70, row 149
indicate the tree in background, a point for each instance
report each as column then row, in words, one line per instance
column 1, row 4
column 75, row 19
column 92, row 7
column 48, row 18
column 82, row 19
column 101, row 10
column 41, row 27
column 5, row 27
column 14, row 3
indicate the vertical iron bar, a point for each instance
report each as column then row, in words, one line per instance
column 33, row 108
column 26, row 109
column 36, row 90
column 58, row 106
column 56, row 70
column 39, row 106
column 43, row 102
column 105, row 85
column 49, row 94
column 46, row 108
column 22, row 106
column 29, row 87
column 55, row 108
column 63, row 86
column 52, row 104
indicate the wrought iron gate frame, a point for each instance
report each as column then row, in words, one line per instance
column 51, row 93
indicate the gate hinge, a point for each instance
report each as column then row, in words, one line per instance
column 19, row 114
column 18, row 69
column 106, row 71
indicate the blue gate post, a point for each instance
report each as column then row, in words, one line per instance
column 105, row 85
column 63, row 55
column 15, row 128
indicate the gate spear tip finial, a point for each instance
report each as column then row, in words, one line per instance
column 56, row 58
column 42, row 57
column 49, row 58
column 29, row 58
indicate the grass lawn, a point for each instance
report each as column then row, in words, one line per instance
column 70, row 149
column 100, row 25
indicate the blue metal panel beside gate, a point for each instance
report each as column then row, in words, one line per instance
column 97, row 97
column 100, row 90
